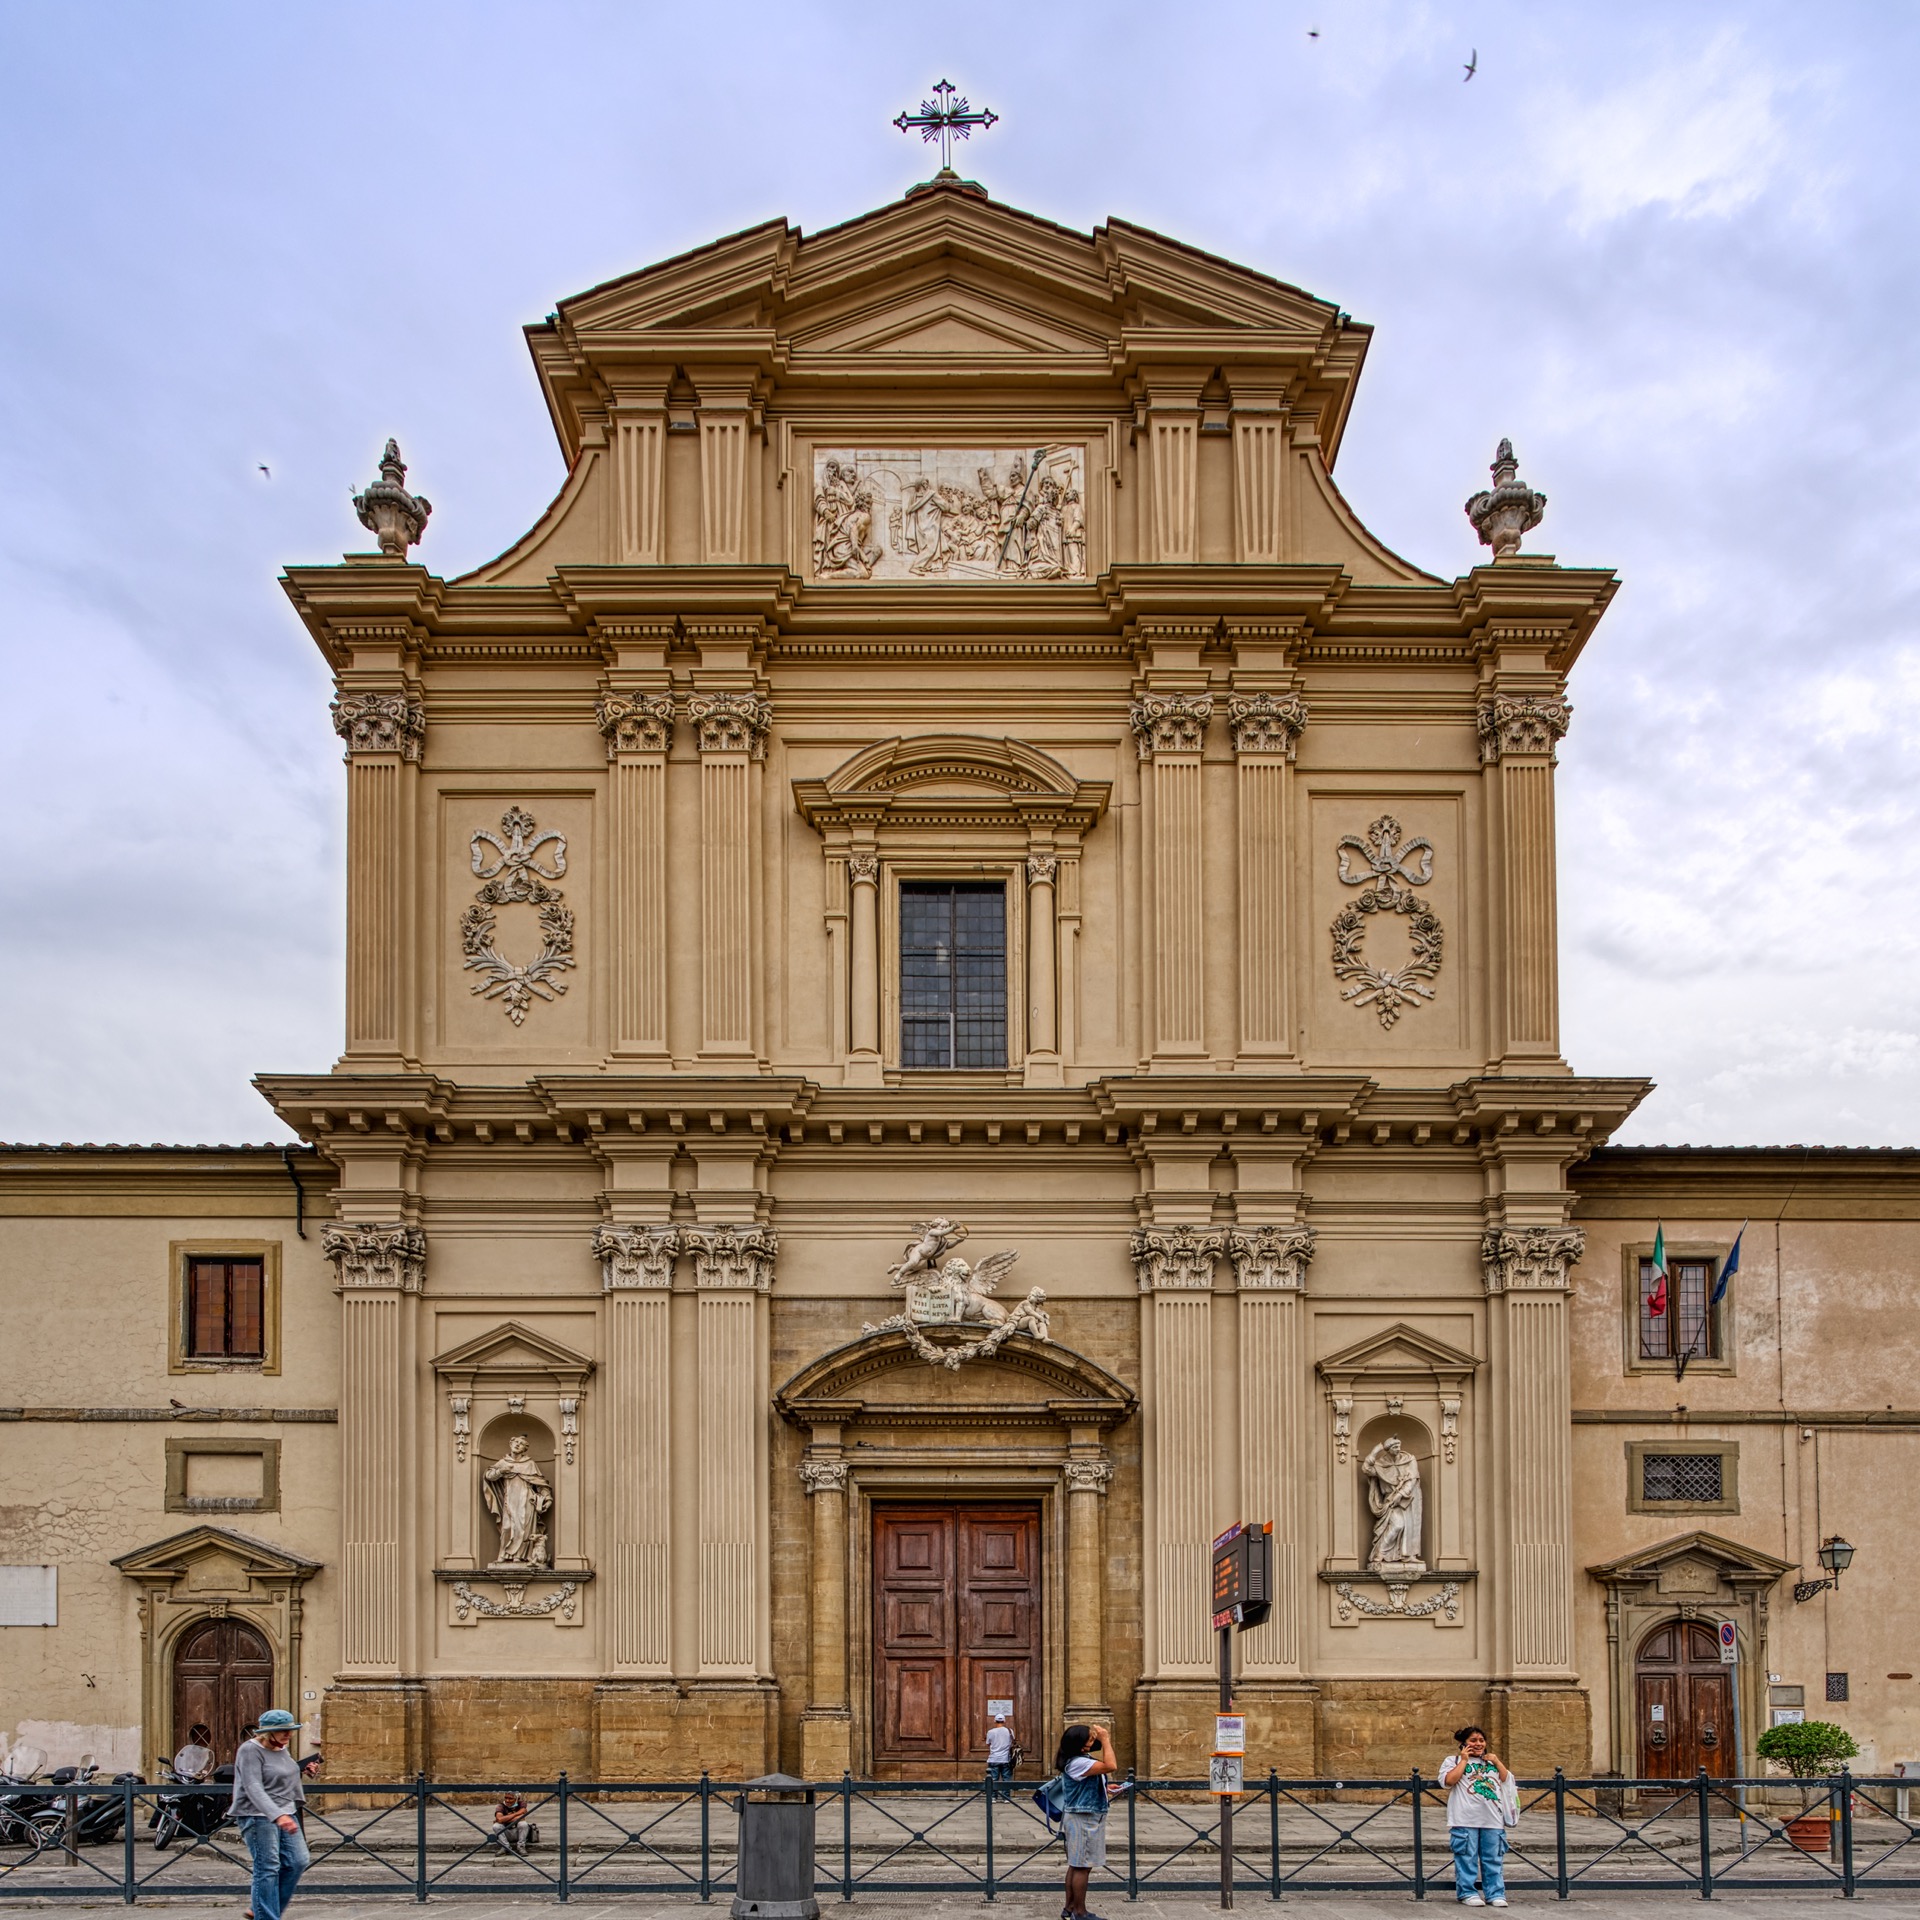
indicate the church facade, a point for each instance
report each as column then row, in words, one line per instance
column 952, row 987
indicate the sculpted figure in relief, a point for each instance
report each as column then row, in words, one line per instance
column 1393, row 1492
column 519, row 1498
column 955, row 1294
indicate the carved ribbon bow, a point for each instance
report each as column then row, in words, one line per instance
column 519, row 857
column 1395, row 863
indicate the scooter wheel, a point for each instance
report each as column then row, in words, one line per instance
column 163, row 1838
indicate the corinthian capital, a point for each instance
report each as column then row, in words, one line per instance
column 635, row 722
column 380, row 723
column 823, row 1476
column 1521, row 726
column 1088, row 1476
column 740, row 1258
column 1270, row 1257
column 731, row 722
column 635, row 1256
column 1170, row 722
column 1176, row 1259
column 1529, row 1259
column 366, row 1256
column 1267, row 722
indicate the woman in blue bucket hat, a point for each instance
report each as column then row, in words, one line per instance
column 266, row 1793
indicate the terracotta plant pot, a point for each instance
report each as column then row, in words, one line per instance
column 1811, row 1833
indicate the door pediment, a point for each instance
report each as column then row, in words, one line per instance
column 881, row 1378
column 1692, row 1564
column 214, row 1557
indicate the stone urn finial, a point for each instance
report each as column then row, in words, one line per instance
column 1510, row 510
column 387, row 510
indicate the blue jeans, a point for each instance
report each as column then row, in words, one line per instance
column 998, row 1775
column 1473, row 1847
column 279, row 1859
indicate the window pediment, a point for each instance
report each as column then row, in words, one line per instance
column 947, row 779
column 1399, row 1352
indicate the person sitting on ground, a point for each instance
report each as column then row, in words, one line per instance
column 511, row 1827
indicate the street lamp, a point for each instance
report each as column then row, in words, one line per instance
column 1836, row 1555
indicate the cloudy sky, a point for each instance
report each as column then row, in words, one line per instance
column 1669, row 250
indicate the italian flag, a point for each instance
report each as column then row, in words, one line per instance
column 1657, row 1300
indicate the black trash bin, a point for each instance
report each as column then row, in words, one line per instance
column 776, row 1851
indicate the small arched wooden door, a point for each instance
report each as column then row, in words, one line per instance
column 222, row 1674
column 1684, row 1703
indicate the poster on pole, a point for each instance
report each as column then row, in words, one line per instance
column 1230, row 1733
column 1226, row 1775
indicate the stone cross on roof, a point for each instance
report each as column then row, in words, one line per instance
column 941, row 118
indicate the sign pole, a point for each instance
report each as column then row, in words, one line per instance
column 1226, row 1803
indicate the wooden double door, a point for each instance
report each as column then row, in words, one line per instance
column 222, row 1675
column 1684, row 1703
column 956, row 1624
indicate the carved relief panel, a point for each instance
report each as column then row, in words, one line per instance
column 960, row 515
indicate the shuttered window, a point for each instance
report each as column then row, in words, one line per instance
column 226, row 1308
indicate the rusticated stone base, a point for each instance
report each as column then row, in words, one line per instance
column 826, row 1744
column 494, row 1728
column 662, row 1730
column 1175, row 1727
column 1537, row 1728
column 374, row 1730
column 1382, row 1729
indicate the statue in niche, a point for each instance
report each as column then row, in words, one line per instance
column 519, row 1499
column 1393, row 1492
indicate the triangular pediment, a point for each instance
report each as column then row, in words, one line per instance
column 1712, row 1553
column 1398, row 1349
column 180, row 1554
column 512, row 1348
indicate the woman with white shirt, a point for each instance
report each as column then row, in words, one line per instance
column 1476, row 1826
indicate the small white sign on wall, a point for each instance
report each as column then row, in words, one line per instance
column 29, row 1596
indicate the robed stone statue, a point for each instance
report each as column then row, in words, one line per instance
column 1393, row 1492
column 519, row 1499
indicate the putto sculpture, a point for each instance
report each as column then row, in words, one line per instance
column 1510, row 510
column 945, row 1291
column 395, row 517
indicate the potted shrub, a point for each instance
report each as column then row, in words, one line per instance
column 1808, row 1749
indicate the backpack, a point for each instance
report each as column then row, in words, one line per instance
column 1051, row 1798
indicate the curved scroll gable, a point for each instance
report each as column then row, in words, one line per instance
column 881, row 1374
column 945, row 778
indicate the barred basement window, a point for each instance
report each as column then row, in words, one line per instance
column 1696, row 1478
column 953, row 975
column 226, row 1309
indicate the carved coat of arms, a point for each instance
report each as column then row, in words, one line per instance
column 943, row 1291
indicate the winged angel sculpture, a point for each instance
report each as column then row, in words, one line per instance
column 948, row 1292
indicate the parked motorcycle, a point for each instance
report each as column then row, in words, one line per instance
column 29, row 1817
column 199, row 1813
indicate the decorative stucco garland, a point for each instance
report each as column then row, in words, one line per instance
column 514, row 875
column 1393, row 868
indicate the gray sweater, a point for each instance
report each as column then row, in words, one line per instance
column 266, row 1782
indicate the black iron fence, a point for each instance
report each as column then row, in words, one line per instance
column 1836, row 1835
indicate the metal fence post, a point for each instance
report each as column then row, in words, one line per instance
column 1561, row 1888
column 420, row 1837
column 127, row 1804
column 1133, row 1837
column 1273, row 1828
column 706, row 1857
column 846, row 1836
column 1846, row 1832
column 989, row 1836
column 1706, row 1835
column 560, row 1816
column 1419, row 1842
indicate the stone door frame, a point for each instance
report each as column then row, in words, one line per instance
column 212, row 1573
column 1694, row 1576
column 867, row 1441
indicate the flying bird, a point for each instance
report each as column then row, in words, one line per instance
column 1473, row 65
column 1313, row 33
column 267, row 471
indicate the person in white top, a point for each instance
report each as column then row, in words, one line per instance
column 999, row 1756
column 1476, row 1826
